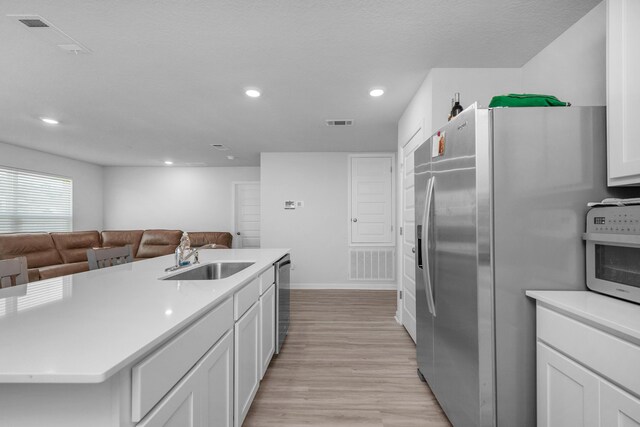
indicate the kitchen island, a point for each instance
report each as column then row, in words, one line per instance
column 110, row 347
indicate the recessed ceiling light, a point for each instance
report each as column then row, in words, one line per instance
column 49, row 121
column 168, row 162
column 376, row 92
column 231, row 157
column 252, row 93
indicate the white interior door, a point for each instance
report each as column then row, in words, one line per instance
column 407, row 267
column 247, row 215
column 372, row 200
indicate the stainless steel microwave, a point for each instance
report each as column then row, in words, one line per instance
column 613, row 251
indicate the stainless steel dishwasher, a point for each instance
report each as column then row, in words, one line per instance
column 283, row 288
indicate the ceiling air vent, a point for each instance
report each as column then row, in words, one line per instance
column 33, row 23
column 339, row 122
column 50, row 34
column 220, row 147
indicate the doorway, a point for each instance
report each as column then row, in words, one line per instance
column 407, row 284
column 246, row 214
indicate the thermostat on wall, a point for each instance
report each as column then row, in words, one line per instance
column 289, row 204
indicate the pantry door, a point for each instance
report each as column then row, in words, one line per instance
column 371, row 209
column 247, row 215
column 407, row 301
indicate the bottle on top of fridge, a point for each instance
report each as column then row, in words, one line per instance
column 457, row 108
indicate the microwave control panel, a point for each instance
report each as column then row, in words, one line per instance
column 614, row 219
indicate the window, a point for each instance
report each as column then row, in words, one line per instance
column 33, row 202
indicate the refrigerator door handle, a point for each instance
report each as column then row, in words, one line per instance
column 426, row 219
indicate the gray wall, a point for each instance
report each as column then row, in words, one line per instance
column 318, row 232
column 573, row 67
column 87, row 181
column 192, row 199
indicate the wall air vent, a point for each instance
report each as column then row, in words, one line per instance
column 339, row 122
column 220, row 147
column 372, row 264
column 50, row 34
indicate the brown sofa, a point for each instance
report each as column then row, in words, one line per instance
column 58, row 254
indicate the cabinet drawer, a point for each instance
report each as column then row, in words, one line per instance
column 158, row 373
column 267, row 278
column 600, row 351
column 245, row 298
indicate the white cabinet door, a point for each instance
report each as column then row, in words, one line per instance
column 246, row 362
column 203, row 396
column 267, row 328
column 618, row 408
column 218, row 384
column 180, row 408
column 567, row 392
column 623, row 91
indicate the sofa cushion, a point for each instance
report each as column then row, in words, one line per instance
column 63, row 269
column 201, row 238
column 73, row 246
column 116, row 238
column 158, row 242
column 34, row 274
column 37, row 247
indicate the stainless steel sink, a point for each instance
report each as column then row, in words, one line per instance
column 211, row 271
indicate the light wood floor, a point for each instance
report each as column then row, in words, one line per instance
column 346, row 362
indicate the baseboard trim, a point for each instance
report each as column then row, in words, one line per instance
column 347, row 286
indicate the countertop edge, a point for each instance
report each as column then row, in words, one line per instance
column 101, row 377
column 571, row 304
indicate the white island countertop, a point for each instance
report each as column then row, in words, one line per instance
column 620, row 318
column 85, row 327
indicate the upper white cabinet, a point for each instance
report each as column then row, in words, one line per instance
column 623, row 91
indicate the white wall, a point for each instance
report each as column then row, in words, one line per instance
column 318, row 232
column 87, row 181
column 430, row 106
column 191, row 199
column 474, row 85
column 417, row 115
column 573, row 67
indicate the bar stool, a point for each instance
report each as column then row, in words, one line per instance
column 13, row 272
column 108, row 257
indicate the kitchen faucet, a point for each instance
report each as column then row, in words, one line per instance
column 182, row 259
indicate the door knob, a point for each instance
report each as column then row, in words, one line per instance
column 354, row 219
column 413, row 250
column 238, row 233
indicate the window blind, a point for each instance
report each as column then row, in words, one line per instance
column 34, row 202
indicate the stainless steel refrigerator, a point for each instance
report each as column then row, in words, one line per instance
column 501, row 197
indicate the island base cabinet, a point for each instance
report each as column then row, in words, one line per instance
column 267, row 328
column 246, row 362
column 619, row 409
column 567, row 392
column 203, row 398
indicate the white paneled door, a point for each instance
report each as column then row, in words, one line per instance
column 372, row 200
column 247, row 215
column 407, row 267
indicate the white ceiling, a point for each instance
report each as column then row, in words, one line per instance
column 166, row 79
